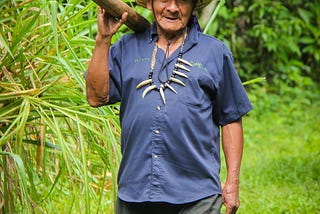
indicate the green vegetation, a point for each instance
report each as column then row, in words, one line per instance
column 280, row 169
column 58, row 155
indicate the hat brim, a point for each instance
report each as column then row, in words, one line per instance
column 200, row 4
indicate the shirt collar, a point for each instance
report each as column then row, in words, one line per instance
column 193, row 36
column 153, row 34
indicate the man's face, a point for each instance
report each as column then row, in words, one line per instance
column 171, row 15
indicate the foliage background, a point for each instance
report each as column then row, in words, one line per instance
column 58, row 155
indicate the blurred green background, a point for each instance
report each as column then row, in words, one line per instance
column 58, row 155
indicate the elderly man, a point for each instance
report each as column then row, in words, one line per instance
column 177, row 88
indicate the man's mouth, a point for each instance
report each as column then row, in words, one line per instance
column 171, row 18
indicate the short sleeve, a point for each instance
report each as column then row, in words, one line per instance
column 231, row 101
column 115, row 74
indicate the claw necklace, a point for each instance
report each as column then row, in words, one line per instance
column 174, row 78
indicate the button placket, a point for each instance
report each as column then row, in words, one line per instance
column 156, row 152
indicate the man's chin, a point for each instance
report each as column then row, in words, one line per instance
column 172, row 28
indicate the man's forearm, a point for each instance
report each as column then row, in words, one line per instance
column 232, row 144
column 97, row 78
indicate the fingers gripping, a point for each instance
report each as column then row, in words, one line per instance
column 107, row 24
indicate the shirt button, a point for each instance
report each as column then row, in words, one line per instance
column 158, row 108
column 157, row 131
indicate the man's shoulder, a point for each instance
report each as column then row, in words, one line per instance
column 211, row 42
column 209, row 39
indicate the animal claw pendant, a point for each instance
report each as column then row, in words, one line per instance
column 184, row 62
column 143, row 83
column 173, row 79
column 147, row 90
column 162, row 93
column 167, row 84
column 182, row 67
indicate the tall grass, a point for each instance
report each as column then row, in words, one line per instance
column 57, row 154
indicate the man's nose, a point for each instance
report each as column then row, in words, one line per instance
column 172, row 5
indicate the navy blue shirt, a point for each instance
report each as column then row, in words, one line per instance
column 171, row 153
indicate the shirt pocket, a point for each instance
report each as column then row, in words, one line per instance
column 199, row 90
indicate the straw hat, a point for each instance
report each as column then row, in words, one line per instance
column 200, row 4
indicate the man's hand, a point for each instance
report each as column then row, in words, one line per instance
column 230, row 194
column 108, row 25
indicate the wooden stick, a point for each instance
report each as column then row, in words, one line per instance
column 116, row 8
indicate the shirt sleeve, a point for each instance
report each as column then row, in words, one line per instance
column 115, row 73
column 231, row 100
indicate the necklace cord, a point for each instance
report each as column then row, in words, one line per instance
column 164, row 64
